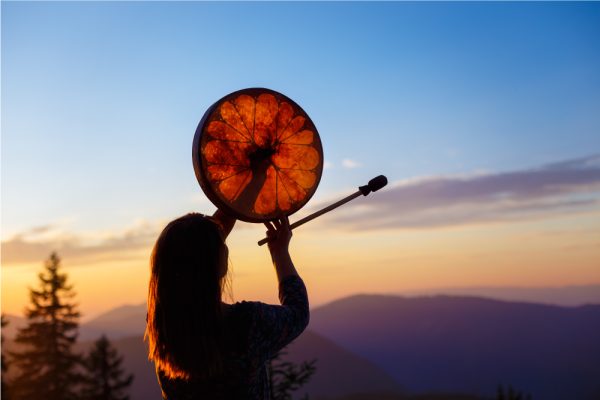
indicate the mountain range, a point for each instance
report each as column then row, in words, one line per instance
column 468, row 344
column 575, row 295
column 395, row 345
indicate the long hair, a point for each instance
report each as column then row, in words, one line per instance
column 188, row 267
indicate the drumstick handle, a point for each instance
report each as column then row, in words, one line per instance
column 374, row 185
column 326, row 209
column 318, row 213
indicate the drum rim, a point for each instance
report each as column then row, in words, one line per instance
column 199, row 171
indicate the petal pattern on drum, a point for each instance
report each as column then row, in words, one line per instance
column 284, row 117
column 266, row 202
column 244, row 105
column 233, row 186
column 302, row 137
column 305, row 179
column 295, row 192
column 294, row 126
column 296, row 157
column 232, row 117
column 223, row 131
column 265, row 120
column 227, row 153
column 265, row 128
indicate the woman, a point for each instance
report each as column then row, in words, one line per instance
column 203, row 348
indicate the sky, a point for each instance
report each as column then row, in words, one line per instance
column 483, row 116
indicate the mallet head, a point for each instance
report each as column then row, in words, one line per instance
column 374, row 185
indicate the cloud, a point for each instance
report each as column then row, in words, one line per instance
column 559, row 188
column 40, row 230
column 36, row 244
column 348, row 163
column 555, row 189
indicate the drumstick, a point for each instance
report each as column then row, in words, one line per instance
column 374, row 185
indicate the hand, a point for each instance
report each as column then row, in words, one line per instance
column 224, row 221
column 279, row 234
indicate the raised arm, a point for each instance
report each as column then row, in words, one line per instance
column 276, row 326
column 224, row 221
column 279, row 235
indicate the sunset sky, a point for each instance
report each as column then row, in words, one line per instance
column 485, row 117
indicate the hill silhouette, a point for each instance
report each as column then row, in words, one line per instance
column 120, row 322
column 339, row 372
column 443, row 344
column 470, row 345
column 574, row 295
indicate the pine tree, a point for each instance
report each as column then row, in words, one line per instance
column 511, row 394
column 47, row 365
column 4, row 393
column 105, row 378
column 287, row 377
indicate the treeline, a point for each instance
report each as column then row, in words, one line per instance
column 45, row 364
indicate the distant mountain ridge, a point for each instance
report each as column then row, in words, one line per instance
column 471, row 345
column 576, row 295
column 128, row 320
column 457, row 344
column 339, row 372
column 120, row 322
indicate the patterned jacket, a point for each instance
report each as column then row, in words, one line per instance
column 254, row 333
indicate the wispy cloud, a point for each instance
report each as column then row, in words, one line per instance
column 348, row 163
column 37, row 243
column 555, row 189
column 564, row 187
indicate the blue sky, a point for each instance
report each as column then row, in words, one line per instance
column 100, row 100
column 484, row 116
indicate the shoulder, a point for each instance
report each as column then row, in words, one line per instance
column 244, row 307
column 249, row 315
column 243, row 313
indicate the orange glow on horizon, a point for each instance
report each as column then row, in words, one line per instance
column 338, row 264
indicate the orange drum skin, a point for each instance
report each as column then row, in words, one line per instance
column 257, row 155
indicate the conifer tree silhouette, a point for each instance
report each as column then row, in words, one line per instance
column 46, row 363
column 287, row 377
column 4, row 391
column 104, row 378
column 511, row 394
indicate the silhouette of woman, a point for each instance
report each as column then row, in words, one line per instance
column 203, row 348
